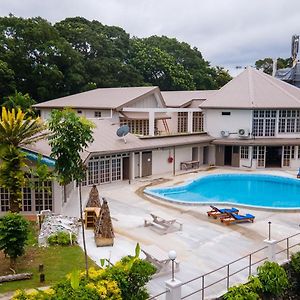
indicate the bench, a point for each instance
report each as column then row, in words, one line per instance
column 191, row 164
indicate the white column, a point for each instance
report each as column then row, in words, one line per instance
column 140, row 164
column 190, row 121
column 151, row 123
column 271, row 253
column 174, row 288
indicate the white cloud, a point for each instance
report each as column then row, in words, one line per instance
column 227, row 32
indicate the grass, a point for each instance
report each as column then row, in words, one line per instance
column 57, row 260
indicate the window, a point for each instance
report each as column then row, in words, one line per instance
column 104, row 169
column 244, row 152
column 79, row 112
column 289, row 121
column 182, row 125
column 37, row 198
column 288, row 154
column 254, row 153
column 264, row 122
column 197, row 121
column 97, row 114
column 226, row 113
column 4, row 199
column 140, row 127
column 261, row 150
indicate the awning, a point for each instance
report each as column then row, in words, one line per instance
column 257, row 142
column 34, row 157
column 143, row 115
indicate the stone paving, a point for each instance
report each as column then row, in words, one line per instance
column 203, row 245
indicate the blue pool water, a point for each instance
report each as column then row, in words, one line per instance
column 252, row 190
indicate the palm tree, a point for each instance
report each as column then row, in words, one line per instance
column 16, row 131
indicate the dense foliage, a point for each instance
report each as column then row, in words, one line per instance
column 70, row 135
column 61, row 238
column 16, row 130
column 13, row 235
column 124, row 280
column 271, row 282
column 74, row 55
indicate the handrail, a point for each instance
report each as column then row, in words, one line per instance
column 248, row 265
column 162, row 293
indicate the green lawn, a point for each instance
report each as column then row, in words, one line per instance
column 57, row 260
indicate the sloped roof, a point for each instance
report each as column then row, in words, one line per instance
column 183, row 98
column 106, row 141
column 104, row 98
column 254, row 89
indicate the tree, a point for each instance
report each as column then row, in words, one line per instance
column 204, row 76
column 160, row 68
column 70, row 135
column 43, row 63
column 7, row 80
column 20, row 101
column 13, row 236
column 16, row 131
column 266, row 64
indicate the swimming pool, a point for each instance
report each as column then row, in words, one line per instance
column 267, row 191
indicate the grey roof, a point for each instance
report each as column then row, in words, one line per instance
column 184, row 98
column 106, row 141
column 290, row 75
column 254, row 89
column 258, row 141
column 105, row 98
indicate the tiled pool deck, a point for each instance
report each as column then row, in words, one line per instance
column 203, row 245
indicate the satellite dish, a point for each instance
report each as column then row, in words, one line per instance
column 123, row 131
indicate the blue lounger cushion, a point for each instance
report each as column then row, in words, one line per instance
column 241, row 217
column 228, row 210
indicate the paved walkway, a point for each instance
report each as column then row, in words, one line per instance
column 203, row 245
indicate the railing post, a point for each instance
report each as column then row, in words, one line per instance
column 174, row 287
column 271, row 253
column 250, row 264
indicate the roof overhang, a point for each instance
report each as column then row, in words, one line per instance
column 257, row 142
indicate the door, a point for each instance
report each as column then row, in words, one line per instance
column 146, row 164
column 273, row 157
column 228, row 156
column 220, row 155
column 235, row 162
column 205, row 155
column 195, row 156
column 125, row 168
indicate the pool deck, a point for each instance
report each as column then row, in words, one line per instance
column 203, row 245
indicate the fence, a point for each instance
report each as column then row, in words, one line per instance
column 217, row 282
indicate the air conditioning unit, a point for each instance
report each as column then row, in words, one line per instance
column 243, row 132
column 225, row 133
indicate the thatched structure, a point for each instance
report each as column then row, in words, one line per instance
column 104, row 233
column 94, row 200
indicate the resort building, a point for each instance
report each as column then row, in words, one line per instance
column 252, row 122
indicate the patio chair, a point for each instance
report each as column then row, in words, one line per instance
column 221, row 212
column 235, row 218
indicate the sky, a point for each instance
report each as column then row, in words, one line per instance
column 228, row 33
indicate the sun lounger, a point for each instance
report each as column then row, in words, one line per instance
column 223, row 212
column 163, row 225
column 235, row 218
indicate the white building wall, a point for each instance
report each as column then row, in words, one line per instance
column 215, row 122
column 160, row 162
column 146, row 102
column 90, row 113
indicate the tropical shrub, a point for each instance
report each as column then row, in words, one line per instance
column 295, row 262
column 273, row 278
column 124, row 280
column 61, row 238
column 249, row 291
column 13, row 235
